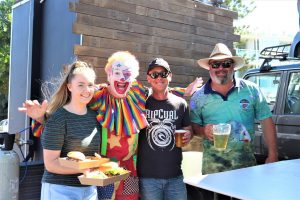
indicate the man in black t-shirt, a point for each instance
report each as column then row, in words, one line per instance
column 159, row 160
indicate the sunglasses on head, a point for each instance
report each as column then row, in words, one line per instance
column 155, row 75
column 225, row 64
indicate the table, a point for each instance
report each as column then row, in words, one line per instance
column 274, row 181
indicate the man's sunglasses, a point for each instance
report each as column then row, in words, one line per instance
column 225, row 64
column 155, row 75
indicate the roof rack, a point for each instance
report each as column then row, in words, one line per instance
column 279, row 52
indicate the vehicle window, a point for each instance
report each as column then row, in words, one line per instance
column 268, row 84
column 292, row 104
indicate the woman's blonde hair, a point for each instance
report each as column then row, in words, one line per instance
column 62, row 95
column 127, row 58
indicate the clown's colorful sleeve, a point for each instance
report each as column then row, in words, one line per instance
column 95, row 102
column 36, row 128
column 140, row 93
column 178, row 91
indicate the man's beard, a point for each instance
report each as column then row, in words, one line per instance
column 223, row 80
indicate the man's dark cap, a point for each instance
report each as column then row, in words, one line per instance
column 158, row 62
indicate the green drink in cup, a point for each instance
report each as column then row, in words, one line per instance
column 221, row 134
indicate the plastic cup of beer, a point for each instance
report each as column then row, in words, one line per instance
column 221, row 134
column 179, row 137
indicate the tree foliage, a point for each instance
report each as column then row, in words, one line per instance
column 243, row 8
column 239, row 6
column 5, row 27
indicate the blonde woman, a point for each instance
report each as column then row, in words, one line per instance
column 71, row 126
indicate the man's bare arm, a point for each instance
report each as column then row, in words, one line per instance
column 203, row 131
column 270, row 138
column 193, row 86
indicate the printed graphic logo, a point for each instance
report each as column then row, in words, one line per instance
column 161, row 128
column 244, row 104
column 239, row 132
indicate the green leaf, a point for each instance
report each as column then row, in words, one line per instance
column 5, row 27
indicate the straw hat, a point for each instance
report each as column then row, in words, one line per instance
column 220, row 52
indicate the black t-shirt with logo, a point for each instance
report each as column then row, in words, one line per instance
column 158, row 156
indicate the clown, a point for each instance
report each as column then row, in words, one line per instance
column 120, row 107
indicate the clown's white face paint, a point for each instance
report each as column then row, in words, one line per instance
column 120, row 79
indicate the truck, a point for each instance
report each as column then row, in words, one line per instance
column 279, row 79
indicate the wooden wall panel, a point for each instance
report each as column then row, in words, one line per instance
column 180, row 31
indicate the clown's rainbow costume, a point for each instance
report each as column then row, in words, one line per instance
column 121, row 119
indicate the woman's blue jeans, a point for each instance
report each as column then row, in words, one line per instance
column 64, row 192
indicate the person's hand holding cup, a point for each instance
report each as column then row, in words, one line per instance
column 221, row 134
column 182, row 137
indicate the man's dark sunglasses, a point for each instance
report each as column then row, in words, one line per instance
column 155, row 75
column 225, row 64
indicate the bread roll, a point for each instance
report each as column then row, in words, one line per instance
column 76, row 155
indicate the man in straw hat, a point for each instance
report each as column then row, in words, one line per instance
column 226, row 99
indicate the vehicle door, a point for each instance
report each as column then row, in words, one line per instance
column 288, row 118
column 269, row 83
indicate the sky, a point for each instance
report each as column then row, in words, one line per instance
column 277, row 18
